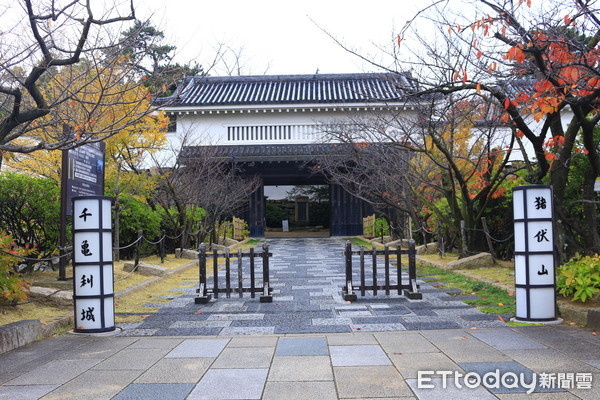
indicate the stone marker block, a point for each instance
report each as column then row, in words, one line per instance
column 480, row 260
column 186, row 253
column 145, row 269
column 62, row 298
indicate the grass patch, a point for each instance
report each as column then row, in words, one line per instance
column 359, row 242
column 492, row 300
column 252, row 241
column 513, row 323
column 502, row 272
column 46, row 313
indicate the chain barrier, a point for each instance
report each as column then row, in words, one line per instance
column 154, row 243
column 57, row 257
column 490, row 236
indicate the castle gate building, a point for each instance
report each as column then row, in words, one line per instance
column 274, row 128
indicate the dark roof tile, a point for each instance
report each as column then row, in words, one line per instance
column 291, row 89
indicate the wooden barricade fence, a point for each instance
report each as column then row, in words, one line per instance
column 410, row 288
column 369, row 226
column 238, row 227
column 205, row 293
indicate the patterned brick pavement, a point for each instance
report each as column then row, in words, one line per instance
column 307, row 275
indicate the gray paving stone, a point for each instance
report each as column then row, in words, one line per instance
column 447, row 392
column 264, row 330
column 241, row 384
column 149, row 391
column 54, row 373
column 131, row 359
column 244, row 357
column 176, row 370
column 156, row 343
column 377, row 327
column 302, row 346
column 27, row 392
column 94, row 384
column 301, row 368
column 507, row 340
column 300, row 390
column 199, row 324
column 404, row 342
column 358, row 355
column 370, row 382
column 503, row 368
column 198, row 348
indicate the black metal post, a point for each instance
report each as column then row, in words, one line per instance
column 387, row 270
column 252, row 278
column 203, row 296
column 374, row 271
column 227, row 274
column 266, row 296
column 240, row 279
column 215, row 273
column 399, row 268
column 413, row 293
column 362, row 271
column 348, row 291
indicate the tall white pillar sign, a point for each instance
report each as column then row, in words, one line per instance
column 93, row 289
column 535, row 282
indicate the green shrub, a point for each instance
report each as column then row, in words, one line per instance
column 579, row 277
column 30, row 211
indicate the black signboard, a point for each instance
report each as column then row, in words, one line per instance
column 85, row 172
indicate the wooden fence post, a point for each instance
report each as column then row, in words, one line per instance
column 488, row 238
column 138, row 248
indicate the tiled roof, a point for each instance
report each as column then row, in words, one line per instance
column 291, row 89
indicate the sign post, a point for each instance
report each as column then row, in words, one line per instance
column 93, row 283
column 535, row 281
column 82, row 174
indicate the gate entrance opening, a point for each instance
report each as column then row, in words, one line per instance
column 302, row 210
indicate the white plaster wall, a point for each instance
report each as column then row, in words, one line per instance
column 211, row 128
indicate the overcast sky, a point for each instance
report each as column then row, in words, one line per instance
column 280, row 37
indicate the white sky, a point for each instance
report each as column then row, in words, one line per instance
column 278, row 37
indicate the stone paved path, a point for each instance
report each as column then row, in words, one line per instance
column 307, row 277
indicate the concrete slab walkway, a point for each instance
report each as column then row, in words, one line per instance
column 549, row 362
column 307, row 275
